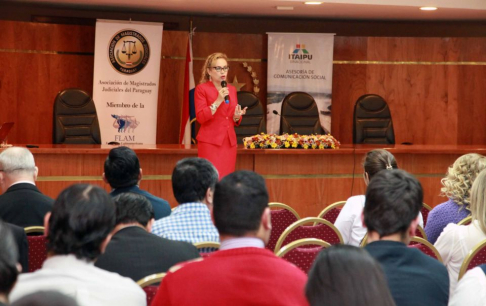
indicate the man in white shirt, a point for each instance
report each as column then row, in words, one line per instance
column 78, row 230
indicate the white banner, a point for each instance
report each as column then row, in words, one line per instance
column 126, row 80
column 299, row 62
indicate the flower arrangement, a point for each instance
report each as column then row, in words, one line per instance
column 291, row 141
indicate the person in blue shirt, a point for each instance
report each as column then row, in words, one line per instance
column 123, row 174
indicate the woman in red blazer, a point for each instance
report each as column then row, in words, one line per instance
column 217, row 137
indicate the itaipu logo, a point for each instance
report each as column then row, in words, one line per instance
column 300, row 53
column 128, row 51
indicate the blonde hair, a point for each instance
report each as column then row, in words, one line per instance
column 478, row 200
column 460, row 177
column 208, row 63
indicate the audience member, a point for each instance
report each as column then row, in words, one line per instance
column 242, row 272
column 393, row 202
column 9, row 268
column 78, row 230
column 349, row 222
column 346, row 275
column 46, row 298
column 457, row 184
column 456, row 241
column 123, row 174
column 193, row 181
column 20, row 239
column 21, row 203
column 471, row 289
column 133, row 250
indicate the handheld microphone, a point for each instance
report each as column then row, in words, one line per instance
column 276, row 113
column 223, row 85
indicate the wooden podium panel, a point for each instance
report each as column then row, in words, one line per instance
column 308, row 180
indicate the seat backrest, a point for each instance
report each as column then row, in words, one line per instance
column 465, row 221
column 254, row 120
column 150, row 284
column 207, row 247
column 331, row 212
column 476, row 257
column 75, row 118
column 425, row 247
column 324, row 230
column 419, row 232
column 150, row 293
column 425, row 212
column 300, row 115
column 372, row 121
column 282, row 216
column 302, row 257
column 37, row 251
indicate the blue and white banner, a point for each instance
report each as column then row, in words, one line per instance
column 126, row 80
column 299, row 62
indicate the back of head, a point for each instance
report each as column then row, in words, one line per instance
column 460, row 178
column 478, row 200
column 377, row 160
column 17, row 160
column 346, row 275
column 8, row 260
column 191, row 179
column 393, row 200
column 133, row 208
column 239, row 202
column 81, row 219
column 46, row 298
column 122, row 168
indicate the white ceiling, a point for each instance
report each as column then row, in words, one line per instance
column 330, row 9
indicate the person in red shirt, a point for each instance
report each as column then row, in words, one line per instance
column 242, row 272
column 218, row 112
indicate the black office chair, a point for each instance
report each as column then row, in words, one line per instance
column 75, row 118
column 254, row 120
column 300, row 115
column 372, row 122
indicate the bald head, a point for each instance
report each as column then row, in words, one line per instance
column 16, row 164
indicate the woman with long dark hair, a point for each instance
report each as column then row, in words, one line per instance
column 344, row 275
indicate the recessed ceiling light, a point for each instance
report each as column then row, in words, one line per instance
column 313, row 3
column 285, row 8
column 428, row 8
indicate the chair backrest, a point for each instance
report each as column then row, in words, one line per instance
column 302, row 257
column 75, row 118
column 254, row 120
column 372, row 121
column 465, row 221
column 425, row 212
column 37, row 247
column 150, row 285
column 300, row 115
column 476, row 257
column 425, row 247
column 282, row 216
column 419, row 232
column 331, row 212
column 205, row 248
column 324, row 230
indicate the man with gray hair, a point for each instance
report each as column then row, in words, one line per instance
column 21, row 203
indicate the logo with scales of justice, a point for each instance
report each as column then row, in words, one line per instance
column 128, row 51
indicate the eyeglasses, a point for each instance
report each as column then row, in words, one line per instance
column 16, row 169
column 219, row 69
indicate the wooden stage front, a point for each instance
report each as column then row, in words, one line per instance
column 308, row 180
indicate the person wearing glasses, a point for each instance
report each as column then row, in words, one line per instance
column 218, row 112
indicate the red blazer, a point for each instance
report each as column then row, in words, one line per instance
column 215, row 127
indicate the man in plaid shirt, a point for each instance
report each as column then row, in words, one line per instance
column 193, row 181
